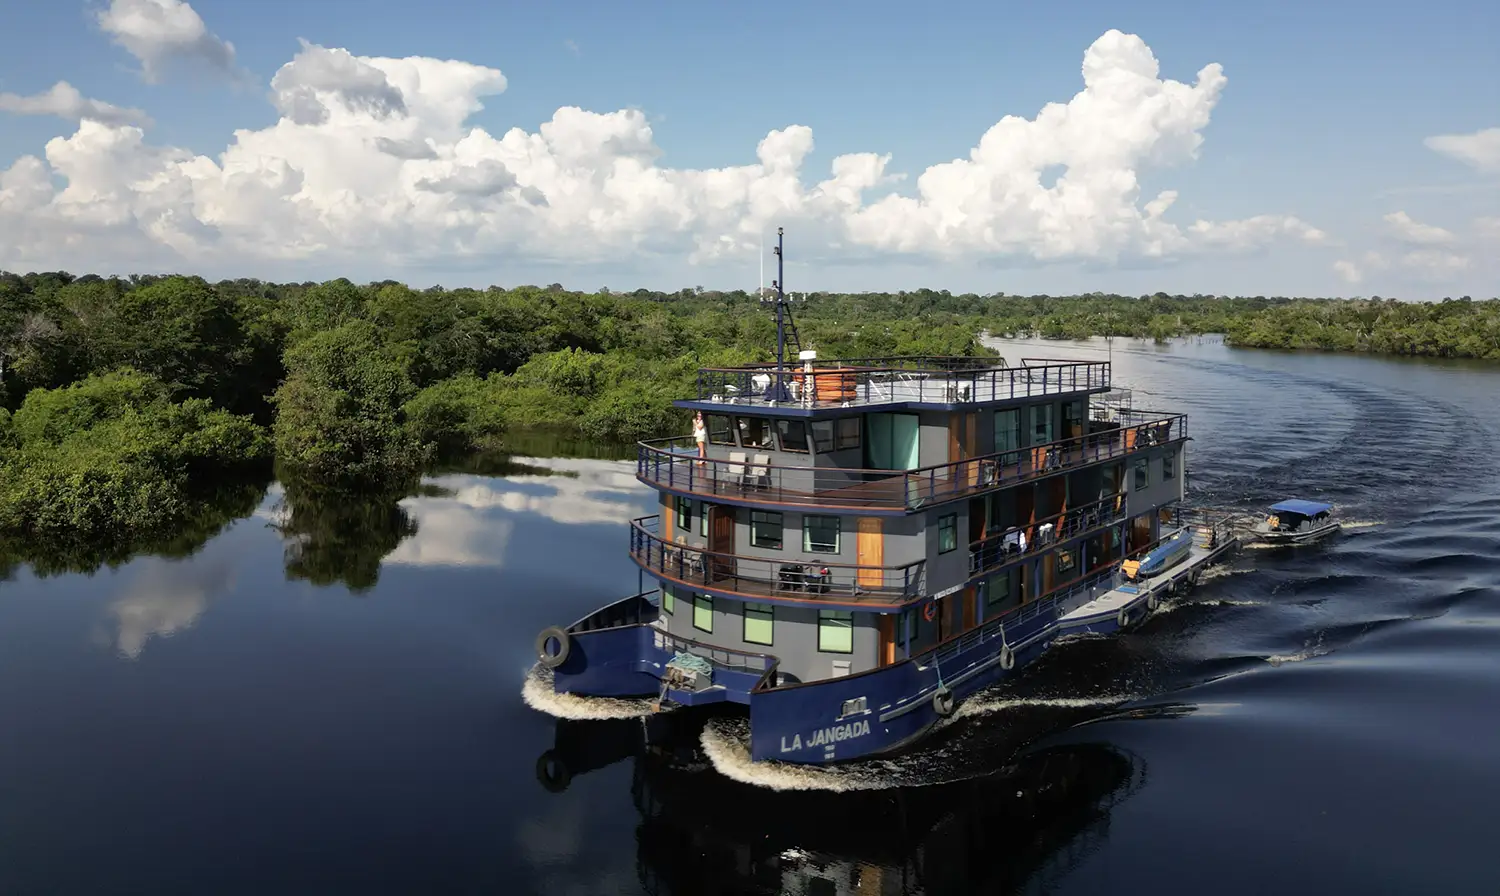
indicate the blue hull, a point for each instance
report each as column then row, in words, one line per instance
column 824, row 721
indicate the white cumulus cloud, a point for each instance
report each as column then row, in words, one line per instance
column 64, row 101
column 157, row 31
column 375, row 156
column 1480, row 149
column 1416, row 249
column 1415, row 232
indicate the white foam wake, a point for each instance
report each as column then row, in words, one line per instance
column 538, row 694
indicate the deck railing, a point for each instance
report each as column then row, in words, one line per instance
column 674, row 464
column 633, row 610
column 719, row 657
column 1003, row 548
column 1015, row 620
column 833, row 383
column 762, row 578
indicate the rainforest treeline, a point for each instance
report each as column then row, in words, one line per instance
column 124, row 400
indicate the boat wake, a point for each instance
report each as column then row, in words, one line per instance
column 538, row 694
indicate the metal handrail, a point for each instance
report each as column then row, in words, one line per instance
column 844, row 380
column 721, row 657
column 767, row 578
column 940, row 653
column 677, row 466
column 991, row 552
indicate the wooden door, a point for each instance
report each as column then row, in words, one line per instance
column 963, row 444
column 887, row 630
column 969, row 607
column 721, row 541
column 870, row 553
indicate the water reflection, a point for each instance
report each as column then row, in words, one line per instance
column 164, row 598
column 472, row 523
column 1020, row 829
column 335, row 537
column 206, row 519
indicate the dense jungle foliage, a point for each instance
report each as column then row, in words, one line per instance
column 128, row 405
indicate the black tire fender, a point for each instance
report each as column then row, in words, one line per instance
column 564, row 646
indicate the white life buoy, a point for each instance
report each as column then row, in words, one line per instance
column 942, row 701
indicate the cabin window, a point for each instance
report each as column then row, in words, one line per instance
column 758, row 623
column 719, row 431
column 685, row 515
column 947, row 532
column 997, row 590
column 1072, row 419
column 1041, row 424
column 1142, row 473
column 703, row 613
column 765, row 529
column 792, row 435
column 836, row 631
column 668, row 601
column 754, row 432
column 822, row 434
column 1007, row 435
column 820, row 534
column 1168, row 465
column 891, row 441
column 703, row 518
column 1067, row 561
column 848, row 433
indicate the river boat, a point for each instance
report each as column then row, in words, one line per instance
column 857, row 546
column 1295, row 521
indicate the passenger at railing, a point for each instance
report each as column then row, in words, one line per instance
column 700, row 435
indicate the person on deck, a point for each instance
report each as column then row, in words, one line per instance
column 700, row 435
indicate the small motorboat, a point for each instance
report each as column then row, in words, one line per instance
column 1296, row 522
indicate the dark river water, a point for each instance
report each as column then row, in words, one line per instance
column 329, row 699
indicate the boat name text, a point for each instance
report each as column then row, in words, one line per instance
column 822, row 736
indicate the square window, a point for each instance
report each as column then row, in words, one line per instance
column 836, row 631
column 1142, row 473
column 792, row 434
column 997, row 590
column 765, row 529
column 1066, row 561
column 668, row 601
column 820, row 534
column 822, row 433
column 848, row 433
column 703, row 613
column 685, row 515
column 755, row 432
column 719, row 431
column 947, row 532
column 758, row 623
column 1168, row 465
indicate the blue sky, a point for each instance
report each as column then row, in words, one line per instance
column 1323, row 119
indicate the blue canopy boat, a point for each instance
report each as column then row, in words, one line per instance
column 1295, row 521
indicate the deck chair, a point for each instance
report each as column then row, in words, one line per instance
column 736, row 467
column 760, row 473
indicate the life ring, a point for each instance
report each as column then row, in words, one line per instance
column 564, row 646
column 942, row 701
column 552, row 772
column 929, row 612
column 1007, row 658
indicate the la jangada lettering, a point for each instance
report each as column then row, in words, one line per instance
column 822, row 736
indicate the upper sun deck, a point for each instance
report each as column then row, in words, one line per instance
column 804, row 388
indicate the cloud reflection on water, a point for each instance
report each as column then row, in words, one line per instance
column 473, row 525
